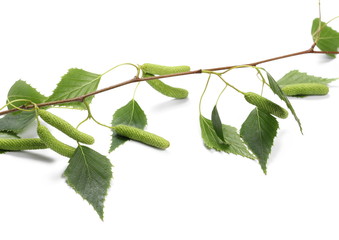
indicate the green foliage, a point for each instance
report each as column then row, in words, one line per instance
column 277, row 90
column 89, row 173
column 75, row 83
column 210, row 137
column 212, row 141
column 7, row 135
column 296, row 83
column 165, row 89
column 217, row 124
column 295, row 77
column 258, row 131
column 16, row 122
column 325, row 37
column 22, row 90
column 140, row 135
column 132, row 115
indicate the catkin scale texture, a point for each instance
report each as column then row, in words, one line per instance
column 53, row 143
column 304, row 89
column 65, row 127
column 266, row 105
column 169, row 91
column 165, row 89
column 142, row 136
column 163, row 70
column 20, row 144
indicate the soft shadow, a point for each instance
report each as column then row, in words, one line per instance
column 311, row 98
column 173, row 103
column 32, row 156
column 325, row 59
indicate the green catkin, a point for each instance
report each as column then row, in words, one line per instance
column 65, row 127
column 163, row 70
column 266, row 105
column 305, row 89
column 21, row 144
column 165, row 89
column 140, row 135
column 53, row 143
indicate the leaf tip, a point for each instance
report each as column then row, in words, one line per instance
column 264, row 168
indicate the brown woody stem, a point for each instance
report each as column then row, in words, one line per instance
column 137, row 79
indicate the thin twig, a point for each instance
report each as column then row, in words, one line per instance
column 137, row 79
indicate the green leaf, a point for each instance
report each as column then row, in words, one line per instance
column 212, row 141
column 217, row 124
column 236, row 145
column 22, row 90
column 75, row 83
column 89, row 173
column 132, row 115
column 16, row 122
column 258, row 131
column 295, row 77
column 210, row 137
column 277, row 90
column 325, row 37
column 165, row 89
column 7, row 135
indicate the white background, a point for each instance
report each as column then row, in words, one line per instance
column 185, row 192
